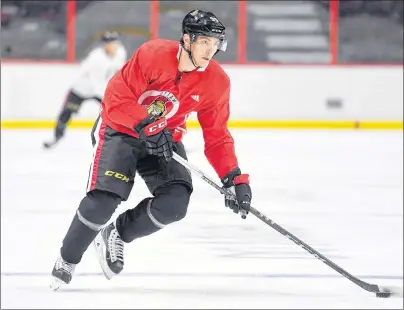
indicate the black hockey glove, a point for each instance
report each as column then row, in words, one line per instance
column 157, row 137
column 238, row 184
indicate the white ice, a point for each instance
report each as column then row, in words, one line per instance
column 339, row 191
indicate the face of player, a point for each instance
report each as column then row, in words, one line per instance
column 111, row 48
column 203, row 49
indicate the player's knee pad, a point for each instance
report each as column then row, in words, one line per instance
column 97, row 207
column 169, row 205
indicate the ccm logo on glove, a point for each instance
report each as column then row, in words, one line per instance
column 155, row 127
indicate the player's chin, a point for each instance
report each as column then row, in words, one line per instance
column 204, row 61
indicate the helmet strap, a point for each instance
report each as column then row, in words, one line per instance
column 189, row 52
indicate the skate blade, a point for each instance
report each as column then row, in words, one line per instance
column 100, row 251
column 56, row 284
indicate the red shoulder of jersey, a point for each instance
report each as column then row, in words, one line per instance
column 216, row 84
column 158, row 55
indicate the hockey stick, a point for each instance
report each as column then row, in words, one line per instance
column 381, row 291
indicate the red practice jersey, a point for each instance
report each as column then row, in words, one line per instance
column 150, row 83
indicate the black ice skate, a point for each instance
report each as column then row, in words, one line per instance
column 62, row 273
column 109, row 248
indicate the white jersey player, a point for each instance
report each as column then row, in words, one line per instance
column 94, row 73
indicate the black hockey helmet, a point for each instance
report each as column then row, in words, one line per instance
column 199, row 22
column 109, row 36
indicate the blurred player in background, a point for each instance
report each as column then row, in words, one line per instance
column 95, row 70
column 142, row 122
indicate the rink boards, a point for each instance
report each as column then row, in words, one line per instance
column 296, row 97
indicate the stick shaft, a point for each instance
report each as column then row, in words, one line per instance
column 367, row 286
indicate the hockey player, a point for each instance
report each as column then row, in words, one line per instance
column 94, row 73
column 141, row 124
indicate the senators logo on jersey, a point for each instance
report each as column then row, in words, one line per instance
column 158, row 107
column 159, row 103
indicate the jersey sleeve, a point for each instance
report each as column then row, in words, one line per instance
column 219, row 144
column 123, row 90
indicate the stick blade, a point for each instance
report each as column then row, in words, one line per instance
column 50, row 144
column 389, row 291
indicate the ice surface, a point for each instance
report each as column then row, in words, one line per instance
column 339, row 191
